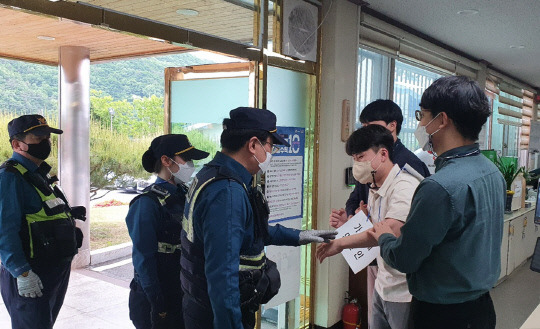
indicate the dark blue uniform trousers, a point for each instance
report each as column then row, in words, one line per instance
column 199, row 316
column 39, row 312
column 140, row 309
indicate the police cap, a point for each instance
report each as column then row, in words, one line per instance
column 32, row 123
column 170, row 145
column 254, row 118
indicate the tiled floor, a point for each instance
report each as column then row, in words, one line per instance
column 93, row 301
column 516, row 298
column 99, row 301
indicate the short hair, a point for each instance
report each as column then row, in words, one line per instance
column 232, row 140
column 19, row 137
column 372, row 137
column 385, row 110
column 462, row 100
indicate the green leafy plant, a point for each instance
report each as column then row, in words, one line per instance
column 530, row 178
column 509, row 171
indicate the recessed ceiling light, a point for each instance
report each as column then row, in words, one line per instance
column 187, row 12
column 44, row 37
column 517, row 47
column 54, row 0
column 156, row 39
column 468, row 12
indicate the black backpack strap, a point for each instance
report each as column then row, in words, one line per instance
column 155, row 192
column 9, row 166
column 34, row 179
column 256, row 198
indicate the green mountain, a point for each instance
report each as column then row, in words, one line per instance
column 33, row 88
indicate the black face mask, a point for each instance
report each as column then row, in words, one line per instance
column 41, row 150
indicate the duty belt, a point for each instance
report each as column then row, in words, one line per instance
column 255, row 262
column 167, row 248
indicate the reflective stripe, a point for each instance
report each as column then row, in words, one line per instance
column 163, row 201
column 39, row 216
column 252, row 262
column 167, row 248
column 187, row 223
column 54, row 203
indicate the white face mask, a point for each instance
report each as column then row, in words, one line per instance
column 363, row 171
column 424, row 139
column 183, row 175
column 266, row 163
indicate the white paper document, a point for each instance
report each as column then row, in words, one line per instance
column 357, row 258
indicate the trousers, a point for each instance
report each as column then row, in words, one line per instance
column 40, row 312
column 475, row 314
column 140, row 310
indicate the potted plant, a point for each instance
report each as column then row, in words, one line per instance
column 509, row 171
column 530, row 178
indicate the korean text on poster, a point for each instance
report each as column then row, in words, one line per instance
column 357, row 258
column 284, row 192
column 285, row 177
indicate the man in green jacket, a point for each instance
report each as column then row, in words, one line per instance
column 450, row 244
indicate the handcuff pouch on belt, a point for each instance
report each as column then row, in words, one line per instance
column 258, row 286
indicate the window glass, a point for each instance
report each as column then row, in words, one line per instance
column 409, row 85
column 505, row 129
column 291, row 96
column 372, row 81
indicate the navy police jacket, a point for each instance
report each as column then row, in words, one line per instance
column 217, row 229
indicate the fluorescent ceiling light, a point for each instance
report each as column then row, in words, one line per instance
column 517, row 47
column 44, row 37
column 468, row 12
column 187, row 12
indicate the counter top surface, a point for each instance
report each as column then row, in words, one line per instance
column 517, row 213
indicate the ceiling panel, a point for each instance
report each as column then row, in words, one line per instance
column 20, row 31
column 225, row 19
column 487, row 34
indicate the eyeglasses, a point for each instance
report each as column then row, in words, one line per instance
column 275, row 149
column 418, row 115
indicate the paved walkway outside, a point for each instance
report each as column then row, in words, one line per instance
column 93, row 301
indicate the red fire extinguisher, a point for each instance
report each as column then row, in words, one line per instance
column 351, row 314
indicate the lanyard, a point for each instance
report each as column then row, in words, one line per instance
column 381, row 198
column 456, row 156
column 369, row 212
column 462, row 155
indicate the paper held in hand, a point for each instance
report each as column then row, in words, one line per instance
column 357, row 258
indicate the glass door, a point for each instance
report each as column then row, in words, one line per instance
column 288, row 185
column 197, row 100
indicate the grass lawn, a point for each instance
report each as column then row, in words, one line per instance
column 108, row 226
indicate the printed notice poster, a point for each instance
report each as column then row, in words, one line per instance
column 285, row 177
column 284, row 191
column 357, row 258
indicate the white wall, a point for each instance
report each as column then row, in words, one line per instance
column 338, row 80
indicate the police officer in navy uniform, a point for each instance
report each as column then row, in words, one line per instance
column 154, row 222
column 38, row 236
column 225, row 275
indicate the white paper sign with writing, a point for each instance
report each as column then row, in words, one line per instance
column 357, row 258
